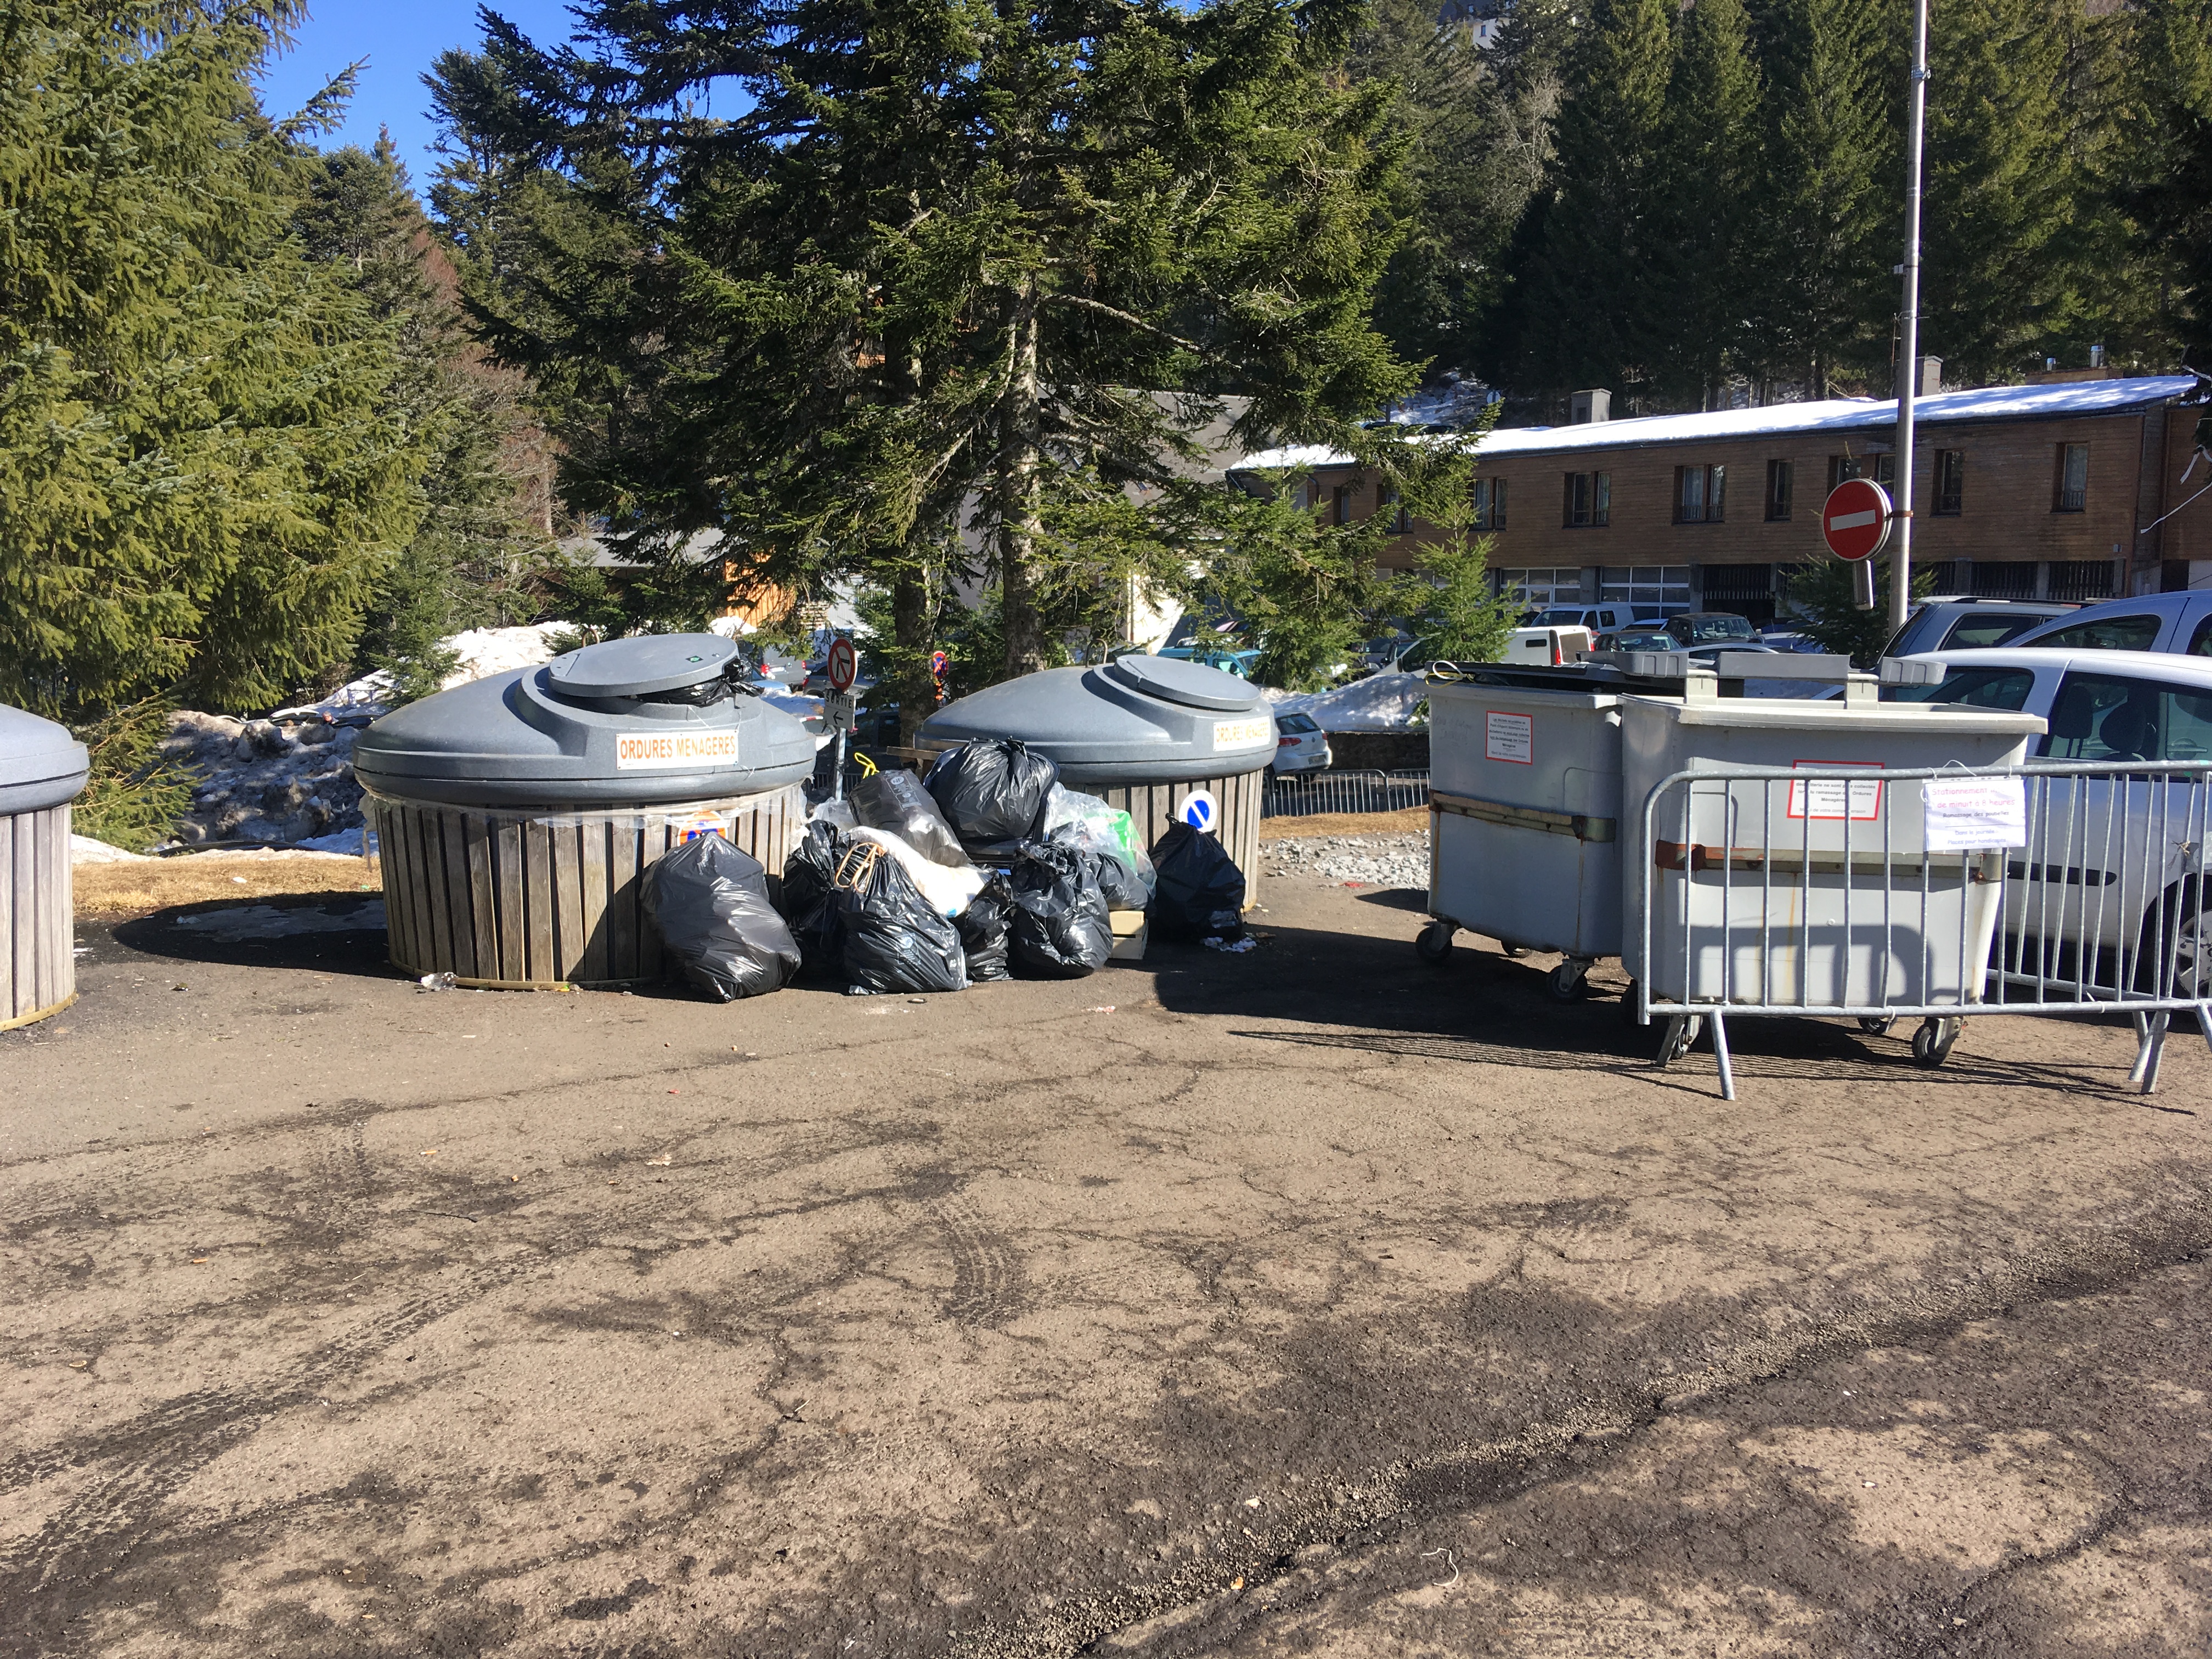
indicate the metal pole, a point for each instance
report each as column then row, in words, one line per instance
column 1900, row 568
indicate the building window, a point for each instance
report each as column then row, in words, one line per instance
column 1490, row 503
column 1387, row 499
column 1539, row 590
column 1651, row 591
column 1950, row 482
column 1339, row 504
column 1700, row 493
column 2071, row 494
column 1882, row 468
column 1777, row 491
column 1590, row 501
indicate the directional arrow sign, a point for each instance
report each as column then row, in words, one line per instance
column 1856, row 520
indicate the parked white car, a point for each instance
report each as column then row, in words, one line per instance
column 1300, row 744
column 2114, row 869
column 1549, row 645
column 2179, row 624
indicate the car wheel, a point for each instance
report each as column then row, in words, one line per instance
column 2173, row 957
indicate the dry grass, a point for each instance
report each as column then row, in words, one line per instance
column 133, row 890
column 1410, row 821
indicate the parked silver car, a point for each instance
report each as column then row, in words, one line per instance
column 2109, row 871
column 2176, row 624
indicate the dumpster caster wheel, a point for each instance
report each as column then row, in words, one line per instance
column 1683, row 1031
column 1569, row 981
column 1931, row 1043
column 1628, row 1005
column 1875, row 1025
column 1433, row 944
column 1506, row 947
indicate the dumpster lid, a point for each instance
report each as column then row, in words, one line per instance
column 1192, row 684
column 40, row 764
column 641, row 666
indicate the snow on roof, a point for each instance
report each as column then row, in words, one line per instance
column 1998, row 403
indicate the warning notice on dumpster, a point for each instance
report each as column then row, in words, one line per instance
column 1836, row 798
column 644, row 751
column 1973, row 815
column 1508, row 738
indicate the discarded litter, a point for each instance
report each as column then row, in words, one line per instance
column 1235, row 947
column 430, row 982
column 992, row 792
column 894, row 800
column 891, row 938
column 710, row 902
column 1059, row 924
column 1201, row 890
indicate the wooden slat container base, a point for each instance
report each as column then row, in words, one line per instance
column 1237, row 799
column 37, row 962
column 526, row 901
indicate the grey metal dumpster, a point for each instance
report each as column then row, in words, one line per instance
column 515, row 814
column 1145, row 733
column 42, row 769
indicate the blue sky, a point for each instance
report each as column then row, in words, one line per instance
column 399, row 38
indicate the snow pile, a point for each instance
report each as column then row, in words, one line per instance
column 1381, row 702
column 84, row 849
column 482, row 651
column 1363, row 860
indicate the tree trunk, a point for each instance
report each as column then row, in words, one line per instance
column 912, row 634
column 1019, row 427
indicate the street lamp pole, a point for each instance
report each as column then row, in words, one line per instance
column 1901, row 570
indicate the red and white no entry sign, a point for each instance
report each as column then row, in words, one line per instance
column 844, row 663
column 1856, row 520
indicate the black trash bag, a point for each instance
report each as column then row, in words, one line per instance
column 1059, row 928
column 808, row 904
column 1199, row 892
column 1124, row 887
column 983, row 929
column 710, row 901
column 896, row 801
column 892, row 939
column 992, row 792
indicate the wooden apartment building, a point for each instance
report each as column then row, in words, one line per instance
column 2081, row 487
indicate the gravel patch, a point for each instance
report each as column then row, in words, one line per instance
column 1371, row 861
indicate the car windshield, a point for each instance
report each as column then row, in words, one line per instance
column 1974, row 687
column 1560, row 615
column 1299, row 723
column 1703, row 628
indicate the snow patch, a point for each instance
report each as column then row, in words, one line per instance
column 84, row 849
column 1381, row 702
column 482, row 651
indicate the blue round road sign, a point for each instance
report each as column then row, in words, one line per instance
column 1198, row 812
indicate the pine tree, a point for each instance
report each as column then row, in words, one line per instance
column 2156, row 174
column 1711, row 160
column 1458, row 204
column 201, row 472
column 2003, row 260
column 957, row 278
column 1592, row 283
column 1829, row 236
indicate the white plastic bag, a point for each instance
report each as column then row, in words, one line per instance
column 949, row 890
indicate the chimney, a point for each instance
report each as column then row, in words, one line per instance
column 1595, row 405
column 2096, row 357
column 1931, row 377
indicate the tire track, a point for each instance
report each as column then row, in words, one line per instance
column 157, row 1452
column 989, row 1286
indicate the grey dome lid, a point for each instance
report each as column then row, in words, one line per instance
column 1193, row 685
column 40, row 764
column 640, row 665
column 514, row 740
column 1142, row 719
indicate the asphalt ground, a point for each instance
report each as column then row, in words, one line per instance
column 1308, row 1301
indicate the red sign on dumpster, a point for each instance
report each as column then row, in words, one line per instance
column 1856, row 520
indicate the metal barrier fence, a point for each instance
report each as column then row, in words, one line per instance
column 2048, row 887
column 1302, row 794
